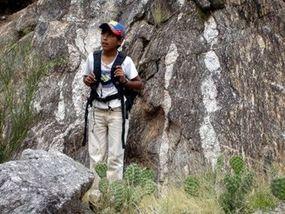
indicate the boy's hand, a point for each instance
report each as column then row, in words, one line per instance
column 119, row 73
column 89, row 80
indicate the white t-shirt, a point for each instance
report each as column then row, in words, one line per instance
column 103, row 91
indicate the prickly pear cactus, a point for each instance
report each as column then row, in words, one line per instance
column 191, row 186
column 278, row 188
column 101, row 170
column 237, row 164
column 133, row 174
column 227, row 202
column 103, row 185
column 126, row 194
column 118, row 190
column 237, row 185
column 146, row 174
column 232, row 183
column 149, row 187
column 136, row 195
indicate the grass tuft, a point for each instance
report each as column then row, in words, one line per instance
column 21, row 71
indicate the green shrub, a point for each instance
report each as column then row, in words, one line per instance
column 103, row 185
column 191, row 186
column 149, row 187
column 237, row 185
column 278, row 188
column 223, row 190
column 133, row 174
column 262, row 199
column 125, row 195
column 145, row 175
column 135, row 195
column 237, row 164
column 118, row 191
column 232, row 183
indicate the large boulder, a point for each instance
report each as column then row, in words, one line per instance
column 43, row 182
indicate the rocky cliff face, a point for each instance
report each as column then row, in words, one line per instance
column 214, row 74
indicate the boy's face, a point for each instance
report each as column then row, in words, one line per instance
column 109, row 41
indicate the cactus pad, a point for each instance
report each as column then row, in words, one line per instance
column 237, row 164
column 133, row 174
column 101, row 170
column 103, row 185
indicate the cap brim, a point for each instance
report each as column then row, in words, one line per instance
column 104, row 26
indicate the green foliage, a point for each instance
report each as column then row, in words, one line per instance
column 247, row 182
column 101, row 170
column 133, row 174
column 21, row 71
column 262, row 199
column 125, row 195
column 103, row 185
column 191, row 186
column 225, row 190
column 118, row 190
column 237, row 164
column 135, row 195
column 232, row 183
column 146, row 174
column 278, row 188
column 149, row 187
column 237, row 186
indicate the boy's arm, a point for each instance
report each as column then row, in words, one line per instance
column 135, row 83
column 89, row 79
column 88, row 76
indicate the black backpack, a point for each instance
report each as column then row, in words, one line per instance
column 122, row 92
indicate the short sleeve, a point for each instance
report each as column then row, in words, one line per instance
column 129, row 68
column 88, row 67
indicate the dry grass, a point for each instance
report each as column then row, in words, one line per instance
column 175, row 200
column 171, row 198
column 261, row 198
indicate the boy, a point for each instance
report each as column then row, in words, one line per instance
column 108, row 123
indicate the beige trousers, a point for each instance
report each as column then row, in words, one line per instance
column 105, row 144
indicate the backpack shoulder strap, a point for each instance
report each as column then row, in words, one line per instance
column 97, row 64
column 118, row 61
